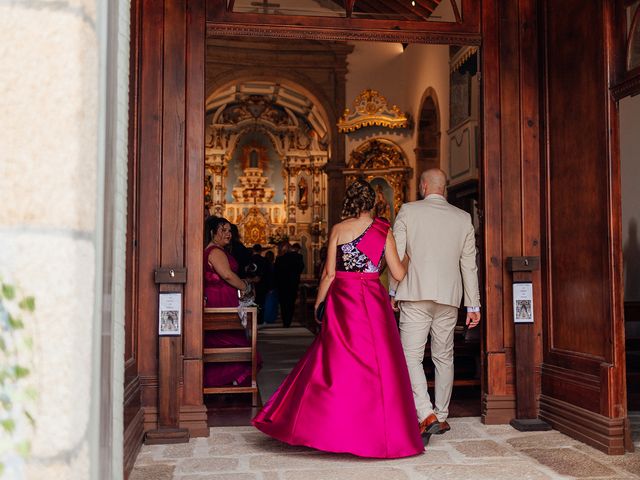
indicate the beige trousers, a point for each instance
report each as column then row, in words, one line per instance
column 418, row 320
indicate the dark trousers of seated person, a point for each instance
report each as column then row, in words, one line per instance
column 287, row 299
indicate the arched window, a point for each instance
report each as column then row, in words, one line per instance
column 633, row 46
column 428, row 149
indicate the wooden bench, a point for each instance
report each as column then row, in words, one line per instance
column 216, row 319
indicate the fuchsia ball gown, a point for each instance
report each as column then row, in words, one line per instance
column 350, row 392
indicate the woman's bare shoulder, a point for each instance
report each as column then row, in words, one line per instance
column 217, row 253
column 343, row 225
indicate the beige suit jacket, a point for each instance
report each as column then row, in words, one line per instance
column 440, row 241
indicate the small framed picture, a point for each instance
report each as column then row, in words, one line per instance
column 523, row 303
column 170, row 314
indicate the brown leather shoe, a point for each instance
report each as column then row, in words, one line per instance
column 444, row 427
column 430, row 425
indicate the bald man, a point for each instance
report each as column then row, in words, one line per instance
column 440, row 242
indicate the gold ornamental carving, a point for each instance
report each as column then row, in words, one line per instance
column 255, row 227
column 380, row 158
column 371, row 108
column 377, row 153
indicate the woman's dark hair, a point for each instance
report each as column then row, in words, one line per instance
column 235, row 233
column 359, row 197
column 211, row 226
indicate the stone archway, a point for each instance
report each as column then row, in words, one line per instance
column 316, row 69
column 267, row 148
column 428, row 144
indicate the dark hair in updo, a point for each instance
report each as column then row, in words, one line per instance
column 359, row 197
column 211, row 226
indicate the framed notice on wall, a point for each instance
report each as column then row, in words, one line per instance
column 170, row 314
column 523, row 302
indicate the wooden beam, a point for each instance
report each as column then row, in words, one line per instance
column 432, row 4
column 411, row 12
column 382, row 15
column 429, row 6
column 349, row 4
column 467, row 32
column 440, row 36
column 456, row 11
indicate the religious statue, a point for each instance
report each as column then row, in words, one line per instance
column 303, row 194
column 253, row 159
column 381, row 208
column 208, row 197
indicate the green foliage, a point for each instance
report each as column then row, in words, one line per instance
column 17, row 396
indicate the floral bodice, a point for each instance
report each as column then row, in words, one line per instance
column 350, row 259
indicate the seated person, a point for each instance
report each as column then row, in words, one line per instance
column 221, row 286
column 258, row 268
column 271, row 297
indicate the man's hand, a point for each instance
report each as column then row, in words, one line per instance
column 394, row 304
column 473, row 319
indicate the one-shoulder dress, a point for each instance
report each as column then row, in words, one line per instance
column 351, row 391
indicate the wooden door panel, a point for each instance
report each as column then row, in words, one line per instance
column 578, row 245
column 581, row 372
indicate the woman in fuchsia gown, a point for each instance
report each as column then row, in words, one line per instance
column 221, row 286
column 351, row 392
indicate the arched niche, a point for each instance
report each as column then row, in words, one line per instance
column 633, row 44
column 428, row 135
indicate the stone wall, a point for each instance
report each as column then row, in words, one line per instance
column 52, row 163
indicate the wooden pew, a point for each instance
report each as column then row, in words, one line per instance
column 216, row 319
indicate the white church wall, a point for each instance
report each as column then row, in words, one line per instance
column 402, row 76
column 427, row 66
column 381, row 67
column 630, row 159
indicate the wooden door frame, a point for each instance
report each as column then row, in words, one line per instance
column 164, row 84
column 166, row 182
column 168, row 80
column 498, row 401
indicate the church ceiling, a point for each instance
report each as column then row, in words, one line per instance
column 413, row 10
column 279, row 104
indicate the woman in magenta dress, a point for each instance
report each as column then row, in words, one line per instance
column 221, row 286
column 351, row 392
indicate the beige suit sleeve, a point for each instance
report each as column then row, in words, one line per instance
column 469, row 269
column 400, row 236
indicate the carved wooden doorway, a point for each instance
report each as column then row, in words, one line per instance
column 167, row 188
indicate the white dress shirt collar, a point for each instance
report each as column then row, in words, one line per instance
column 434, row 196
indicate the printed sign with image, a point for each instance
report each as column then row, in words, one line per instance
column 523, row 303
column 170, row 314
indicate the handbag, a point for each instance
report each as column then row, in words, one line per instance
column 320, row 311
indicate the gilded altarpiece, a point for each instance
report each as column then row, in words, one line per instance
column 265, row 169
column 382, row 163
